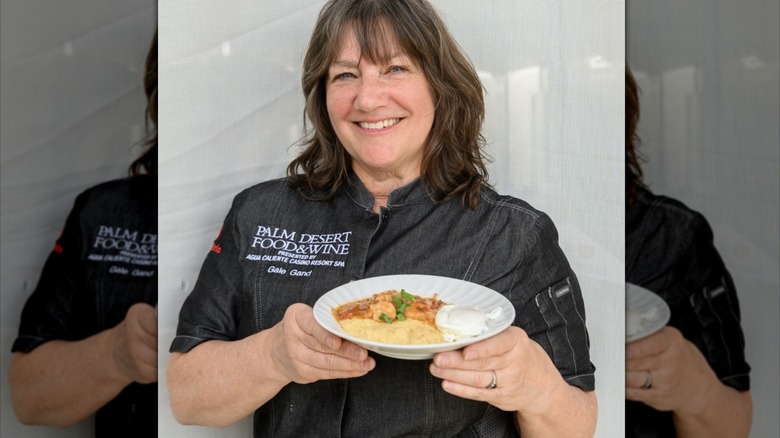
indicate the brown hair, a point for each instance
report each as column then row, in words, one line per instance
column 633, row 157
column 453, row 159
column 148, row 160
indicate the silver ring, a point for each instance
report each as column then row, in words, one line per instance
column 649, row 382
column 494, row 382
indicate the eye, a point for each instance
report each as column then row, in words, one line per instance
column 397, row 69
column 344, row 75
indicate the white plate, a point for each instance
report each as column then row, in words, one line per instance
column 646, row 312
column 450, row 291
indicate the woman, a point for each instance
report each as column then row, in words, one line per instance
column 393, row 171
column 87, row 343
column 690, row 378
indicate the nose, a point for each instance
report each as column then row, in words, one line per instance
column 370, row 94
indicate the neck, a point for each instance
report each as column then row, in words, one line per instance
column 379, row 202
column 380, row 184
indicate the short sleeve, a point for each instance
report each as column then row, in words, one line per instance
column 553, row 314
column 48, row 313
column 211, row 312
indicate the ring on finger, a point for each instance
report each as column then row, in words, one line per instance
column 494, row 382
column 649, row 382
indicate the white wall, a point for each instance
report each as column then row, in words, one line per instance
column 71, row 108
column 709, row 76
column 231, row 104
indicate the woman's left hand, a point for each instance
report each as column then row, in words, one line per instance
column 525, row 375
column 667, row 372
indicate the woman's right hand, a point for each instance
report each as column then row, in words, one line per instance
column 304, row 352
column 134, row 344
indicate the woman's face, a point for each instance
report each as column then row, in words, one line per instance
column 381, row 113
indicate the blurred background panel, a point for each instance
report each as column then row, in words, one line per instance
column 231, row 109
column 72, row 114
column 709, row 77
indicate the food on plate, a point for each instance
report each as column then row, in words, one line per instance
column 458, row 322
column 398, row 317
column 636, row 320
column 408, row 332
column 392, row 317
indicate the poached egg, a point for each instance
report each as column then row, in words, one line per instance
column 458, row 322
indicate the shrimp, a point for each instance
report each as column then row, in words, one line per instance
column 423, row 309
column 380, row 307
column 386, row 295
column 420, row 311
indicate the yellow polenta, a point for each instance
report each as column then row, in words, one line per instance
column 410, row 331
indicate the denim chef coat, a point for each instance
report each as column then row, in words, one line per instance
column 670, row 251
column 104, row 261
column 254, row 272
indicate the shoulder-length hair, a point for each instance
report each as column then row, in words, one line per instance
column 453, row 158
column 148, row 160
column 633, row 157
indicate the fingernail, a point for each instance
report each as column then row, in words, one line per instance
column 369, row 364
column 441, row 361
column 470, row 355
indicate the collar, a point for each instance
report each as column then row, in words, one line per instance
column 413, row 192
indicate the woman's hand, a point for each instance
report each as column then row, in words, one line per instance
column 60, row 383
column 134, row 344
column 681, row 376
column 525, row 375
column 668, row 373
column 304, row 352
column 526, row 382
column 218, row 383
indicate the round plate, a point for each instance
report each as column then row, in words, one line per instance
column 450, row 290
column 646, row 312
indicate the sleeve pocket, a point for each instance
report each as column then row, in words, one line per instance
column 721, row 338
column 563, row 334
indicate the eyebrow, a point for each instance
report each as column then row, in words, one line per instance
column 352, row 64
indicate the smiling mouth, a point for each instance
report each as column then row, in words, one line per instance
column 379, row 125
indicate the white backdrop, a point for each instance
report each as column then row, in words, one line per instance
column 710, row 84
column 71, row 110
column 231, row 106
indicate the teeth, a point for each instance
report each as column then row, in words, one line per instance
column 379, row 125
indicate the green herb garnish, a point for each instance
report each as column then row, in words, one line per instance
column 385, row 318
column 407, row 296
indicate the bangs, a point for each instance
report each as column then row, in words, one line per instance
column 378, row 35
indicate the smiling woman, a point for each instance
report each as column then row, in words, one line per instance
column 392, row 163
column 375, row 82
column 382, row 114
